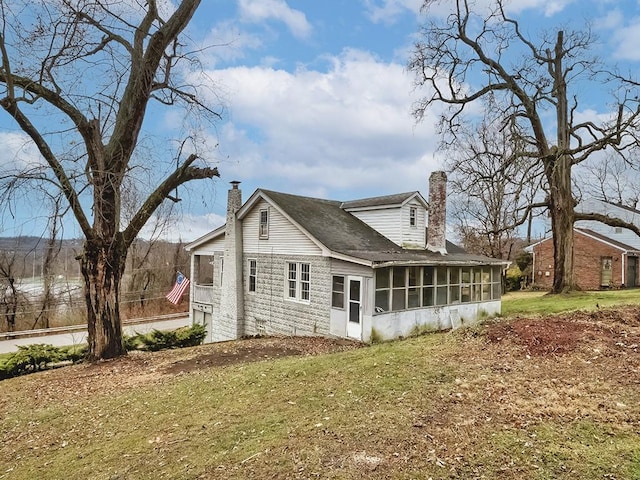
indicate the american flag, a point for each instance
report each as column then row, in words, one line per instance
column 178, row 289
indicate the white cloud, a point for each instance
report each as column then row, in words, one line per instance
column 185, row 228
column 444, row 8
column 348, row 129
column 19, row 151
column 388, row 11
column 227, row 42
column 549, row 7
column 626, row 39
column 260, row 10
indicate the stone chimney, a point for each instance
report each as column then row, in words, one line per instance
column 437, row 224
column 231, row 322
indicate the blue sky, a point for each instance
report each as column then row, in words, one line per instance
column 317, row 98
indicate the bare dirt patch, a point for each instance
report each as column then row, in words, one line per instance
column 559, row 335
column 256, row 349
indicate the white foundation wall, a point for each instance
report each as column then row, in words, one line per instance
column 400, row 324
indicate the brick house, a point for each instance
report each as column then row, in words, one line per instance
column 599, row 262
column 293, row 265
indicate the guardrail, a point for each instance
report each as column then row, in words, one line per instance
column 74, row 328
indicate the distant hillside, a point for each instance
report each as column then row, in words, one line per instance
column 31, row 243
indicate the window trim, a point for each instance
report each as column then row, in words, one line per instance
column 297, row 283
column 413, row 217
column 252, row 274
column 338, row 292
column 263, row 227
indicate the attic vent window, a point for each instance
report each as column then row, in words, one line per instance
column 413, row 216
column 264, row 224
column 618, row 229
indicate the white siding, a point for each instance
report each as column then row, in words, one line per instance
column 386, row 221
column 213, row 246
column 340, row 267
column 413, row 237
column 284, row 237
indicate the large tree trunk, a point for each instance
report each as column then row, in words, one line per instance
column 561, row 201
column 561, row 207
column 102, row 267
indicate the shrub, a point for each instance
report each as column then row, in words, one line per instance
column 37, row 357
column 31, row 358
column 75, row 353
column 162, row 340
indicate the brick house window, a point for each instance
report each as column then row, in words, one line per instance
column 298, row 281
column 263, row 230
column 606, row 272
column 253, row 275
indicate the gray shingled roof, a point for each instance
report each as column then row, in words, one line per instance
column 387, row 200
column 344, row 233
column 604, row 238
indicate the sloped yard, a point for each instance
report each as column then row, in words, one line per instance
column 542, row 397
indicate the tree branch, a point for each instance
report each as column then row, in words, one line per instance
column 184, row 173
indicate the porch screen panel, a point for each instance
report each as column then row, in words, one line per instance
column 413, row 293
column 399, row 292
column 428, row 289
column 383, row 284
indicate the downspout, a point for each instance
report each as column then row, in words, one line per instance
column 192, row 269
column 533, row 268
column 624, row 270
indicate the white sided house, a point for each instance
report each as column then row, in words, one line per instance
column 292, row 265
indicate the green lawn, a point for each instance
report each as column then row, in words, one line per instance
column 541, row 303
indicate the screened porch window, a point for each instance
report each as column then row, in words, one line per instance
column 404, row 288
column 204, row 269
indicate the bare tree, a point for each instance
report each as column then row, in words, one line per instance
column 493, row 188
column 484, row 55
column 78, row 77
column 613, row 180
column 51, row 251
column 9, row 293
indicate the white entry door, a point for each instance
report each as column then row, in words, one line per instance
column 354, row 313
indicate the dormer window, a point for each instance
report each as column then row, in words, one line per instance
column 264, row 224
column 413, row 216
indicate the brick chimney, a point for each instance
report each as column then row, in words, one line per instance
column 437, row 224
column 231, row 322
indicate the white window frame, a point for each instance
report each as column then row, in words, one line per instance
column 252, row 274
column 297, row 286
column 413, row 217
column 263, row 228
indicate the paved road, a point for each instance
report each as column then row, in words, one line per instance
column 76, row 335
